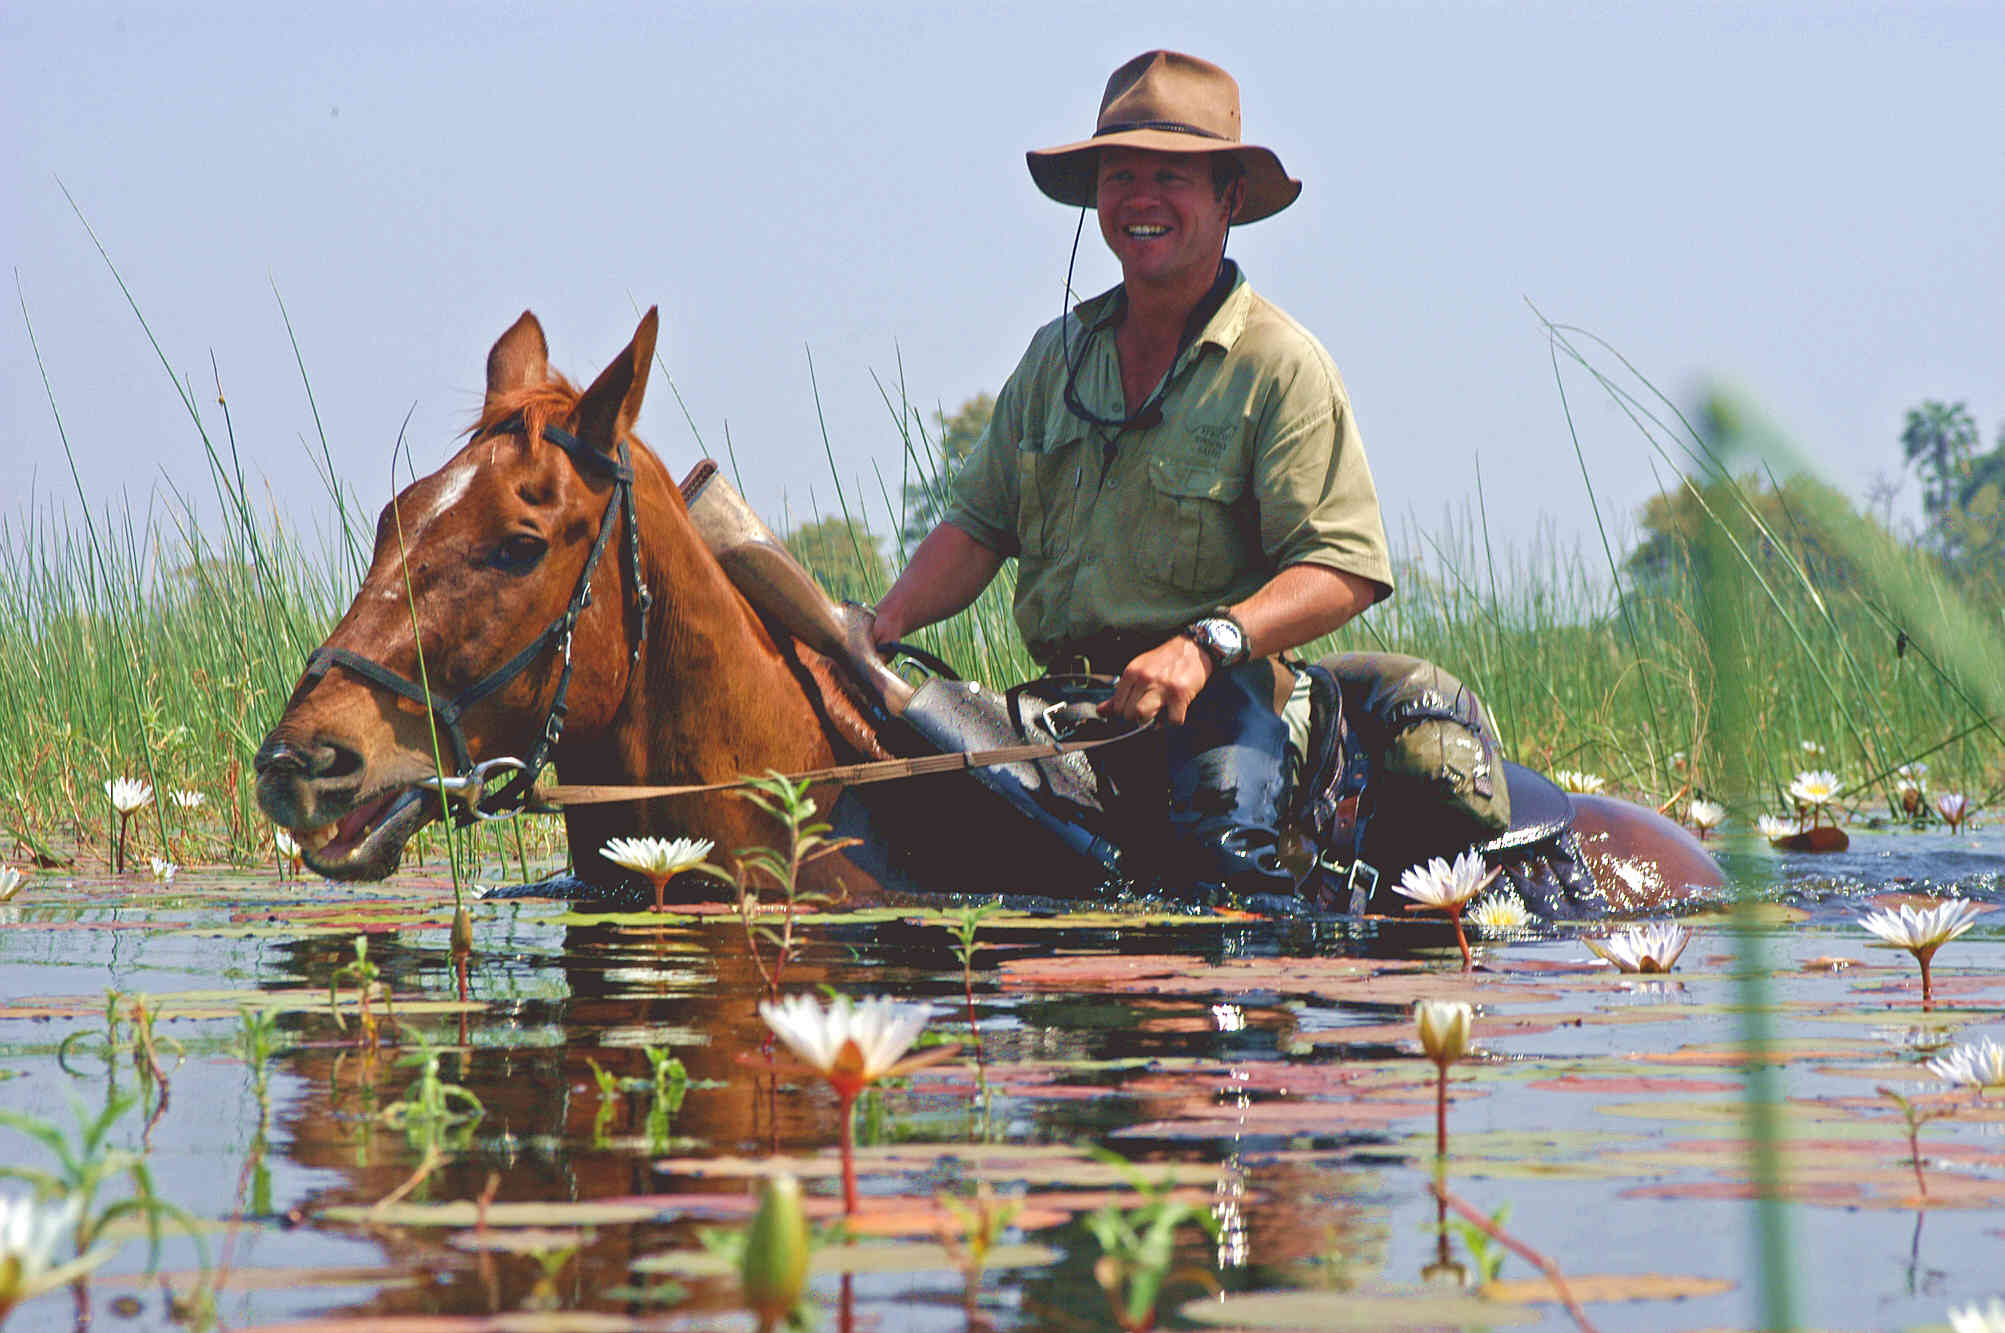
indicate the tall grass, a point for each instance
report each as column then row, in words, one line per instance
column 1583, row 668
column 161, row 645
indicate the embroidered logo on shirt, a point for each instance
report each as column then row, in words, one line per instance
column 1214, row 435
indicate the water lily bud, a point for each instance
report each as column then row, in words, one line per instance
column 1444, row 1029
column 462, row 932
column 775, row 1268
column 10, row 1282
column 1445, row 1273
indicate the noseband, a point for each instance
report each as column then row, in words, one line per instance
column 511, row 798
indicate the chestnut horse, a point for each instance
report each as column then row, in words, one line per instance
column 544, row 594
column 671, row 677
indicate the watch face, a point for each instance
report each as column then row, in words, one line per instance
column 1223, row 639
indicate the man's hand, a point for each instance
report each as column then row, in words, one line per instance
column 1162, row 682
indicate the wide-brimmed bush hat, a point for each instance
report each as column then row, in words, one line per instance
column 1169, row 103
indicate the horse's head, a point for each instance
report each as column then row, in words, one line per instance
column 504, row 593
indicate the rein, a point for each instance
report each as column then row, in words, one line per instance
column 848, row 775
column 515, row 795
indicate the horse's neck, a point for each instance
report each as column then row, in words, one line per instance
column 714, row 696
column 711, row 699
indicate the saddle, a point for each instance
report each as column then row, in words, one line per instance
column 1401, row 766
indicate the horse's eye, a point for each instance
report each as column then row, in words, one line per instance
column 519, row 553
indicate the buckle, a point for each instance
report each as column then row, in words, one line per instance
column 1360, row 881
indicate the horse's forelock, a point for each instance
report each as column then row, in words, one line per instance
column 538, row 404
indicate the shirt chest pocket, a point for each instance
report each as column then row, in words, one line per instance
column 1194, row 534
column 1048, row 475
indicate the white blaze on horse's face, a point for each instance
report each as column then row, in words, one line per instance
column 412, row 525
column 453, row 483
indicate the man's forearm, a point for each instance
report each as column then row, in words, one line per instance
column 1300, row 604
column 948, row 571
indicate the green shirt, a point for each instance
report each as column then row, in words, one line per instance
column 1255, row 465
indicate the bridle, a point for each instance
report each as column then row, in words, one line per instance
column 470, row 779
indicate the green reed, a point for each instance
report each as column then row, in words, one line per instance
column 160, row 641
column 1583, row 667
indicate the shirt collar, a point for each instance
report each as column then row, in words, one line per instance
column 1221, row 329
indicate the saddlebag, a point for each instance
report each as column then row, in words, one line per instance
column 1436, row 774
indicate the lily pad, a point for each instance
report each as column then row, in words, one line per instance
column 877, row 1257
column 522, row 1240
column 645, row 920
column 1596, row 1288
column 465, row 1213
column 515, row 1321
column 215, row 1004
column 1339, row 1310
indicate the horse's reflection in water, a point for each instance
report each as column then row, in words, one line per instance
column 692, row 990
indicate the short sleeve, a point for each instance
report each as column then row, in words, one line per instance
column 984, row 500
column 1318, row 504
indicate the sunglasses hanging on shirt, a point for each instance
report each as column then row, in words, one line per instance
column 1150, row 414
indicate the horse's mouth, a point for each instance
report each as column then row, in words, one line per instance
column 368, row 841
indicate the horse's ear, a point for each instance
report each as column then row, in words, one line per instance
column 519, row 359
column 610, row 406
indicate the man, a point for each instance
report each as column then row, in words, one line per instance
column 1175, row 466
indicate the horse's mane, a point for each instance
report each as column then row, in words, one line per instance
column 828, row 689
column 553, row 399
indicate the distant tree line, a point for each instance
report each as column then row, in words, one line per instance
column 1962, row 499
column 847, row 557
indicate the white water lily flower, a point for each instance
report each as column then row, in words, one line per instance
column 852, row 1043
column 1924, row 928
column 29, row 1235
column 10, row 882
column 1814, row 787
column 1653, row 946
column 163, row 870
column 1570, row 779
column 1970, row 1319
column 1444, row 885
column 1444, row 1029
column 657, row 857
column 128, row 794
column 1705, row 815
column 1952, row 806
column 1980, row 1064
column 1502, row 910
column 660, row 859
column 1775, row 830
column 1810, row 747
column 287, row 845
column 188, row 800
column 1921, row 932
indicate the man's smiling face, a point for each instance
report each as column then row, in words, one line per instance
column 1161, row 216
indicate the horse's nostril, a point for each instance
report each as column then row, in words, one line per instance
column 333, row 760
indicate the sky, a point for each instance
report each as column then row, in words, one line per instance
column 830, row 206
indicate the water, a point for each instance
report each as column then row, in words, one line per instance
column 1268, row 1067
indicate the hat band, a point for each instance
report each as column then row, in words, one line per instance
column 1173, row 126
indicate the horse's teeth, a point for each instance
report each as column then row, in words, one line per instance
column 314, row 839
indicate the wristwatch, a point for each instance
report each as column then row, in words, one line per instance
column 1221, row 638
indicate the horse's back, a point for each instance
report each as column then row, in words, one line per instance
column 1642, row 860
